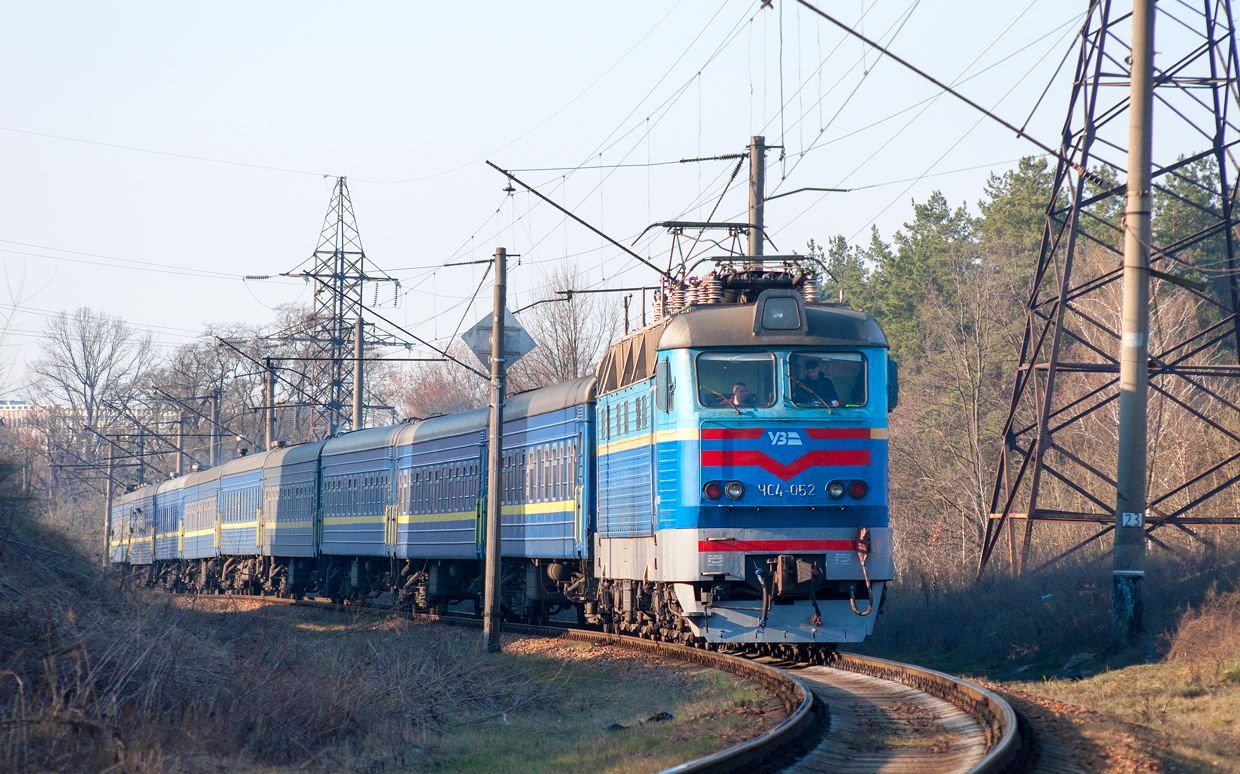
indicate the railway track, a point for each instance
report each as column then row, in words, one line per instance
column 853, row 714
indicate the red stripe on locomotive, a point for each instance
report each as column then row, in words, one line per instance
column 719, row 546
column 715, row 458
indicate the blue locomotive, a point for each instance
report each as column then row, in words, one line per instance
column 721, row 479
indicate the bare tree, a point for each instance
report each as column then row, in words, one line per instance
column 90, row 366
column 572, row 334
column 429, row 389
column 89, row 358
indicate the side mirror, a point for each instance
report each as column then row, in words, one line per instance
column 663, row 386
column 893, row 385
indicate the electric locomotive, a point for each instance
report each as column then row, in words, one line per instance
column 737, row 504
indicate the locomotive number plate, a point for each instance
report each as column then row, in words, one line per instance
column 789, row 490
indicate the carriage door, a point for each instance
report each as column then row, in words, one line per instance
column 391, row 503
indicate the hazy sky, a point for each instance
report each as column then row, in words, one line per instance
column 155, row 152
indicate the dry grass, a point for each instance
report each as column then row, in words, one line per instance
column 1042, row 624
column 96, row 674
column 1188, row 705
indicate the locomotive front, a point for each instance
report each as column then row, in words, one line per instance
column 770, row 461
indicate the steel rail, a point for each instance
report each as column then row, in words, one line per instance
column 991, row 711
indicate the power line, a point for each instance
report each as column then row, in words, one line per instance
column 155, row 152
column 118, row 262
column 976, row 106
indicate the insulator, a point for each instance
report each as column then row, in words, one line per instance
column 809, row 287
column 657, row 313
column 677, row 299
column 712, row 289
column 691, row 293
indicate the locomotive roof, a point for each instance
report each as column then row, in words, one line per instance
column 290, row 455
column 358, row 440
column 730, row 325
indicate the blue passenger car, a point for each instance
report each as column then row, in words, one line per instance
column 356, row 494
column 200, row 526
column 169, row 508
column 439, row 467
column 546, row 495
column 133, row 527
column 290, row 501
column 240, row 505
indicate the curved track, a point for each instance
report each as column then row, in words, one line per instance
column 886, row 716
column 857, row 714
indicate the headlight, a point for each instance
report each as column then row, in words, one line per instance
column 712, row 490
column 835, row 489
column 734, row 490
column 857, row 490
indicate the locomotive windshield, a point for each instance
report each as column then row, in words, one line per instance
column 827, row 379
column 736, row 379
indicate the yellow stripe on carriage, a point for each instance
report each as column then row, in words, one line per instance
column 524, row 509
column 240, row 525
column 432, row 518
column 534, row 509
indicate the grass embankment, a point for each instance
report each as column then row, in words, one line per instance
column 97, row 675
column 1170, row 700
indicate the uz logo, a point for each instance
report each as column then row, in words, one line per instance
column 781, row 438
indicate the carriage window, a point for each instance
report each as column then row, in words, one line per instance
column 561, row 493
column 736, row 379
column 827, row 379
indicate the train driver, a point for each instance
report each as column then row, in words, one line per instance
column 816, row 388
column 741, row 397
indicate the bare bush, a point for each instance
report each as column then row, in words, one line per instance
column 1210, row 632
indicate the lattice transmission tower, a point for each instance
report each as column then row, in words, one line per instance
column 1059, row 457
column 339, row 273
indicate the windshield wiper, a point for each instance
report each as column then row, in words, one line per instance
column 810, row 391
column 726, row 400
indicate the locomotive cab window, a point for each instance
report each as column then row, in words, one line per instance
column 736, row 379
column 827, row 379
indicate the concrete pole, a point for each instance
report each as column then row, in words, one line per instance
column 216, row 440
column 141, row 457
column 1129, row 551
column 359, row 375
column 108, row 493
column 269, row 404
column 757, row 197
column 181, row 443
column 495, row 489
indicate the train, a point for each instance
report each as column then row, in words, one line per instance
column 699, row 487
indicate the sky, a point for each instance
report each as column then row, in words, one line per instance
column 156, row 153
